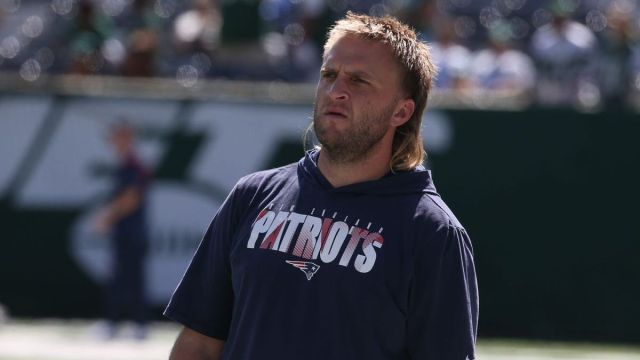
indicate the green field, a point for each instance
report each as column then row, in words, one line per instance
column 77, row 340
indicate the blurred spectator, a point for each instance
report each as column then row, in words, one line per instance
column 242, row 54
column 564, row 51
column 451, row 57
column 278, row 40
column 85, row 39
column 124, row 218
column 292, row 51
column 142, row 26
column 500, row 66
column 198, row 28
column 618, row 41
column 422, row 16
column 306, row 57
column 141, row 49
column 197, row 37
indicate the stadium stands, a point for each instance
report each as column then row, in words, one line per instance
column 566, row 52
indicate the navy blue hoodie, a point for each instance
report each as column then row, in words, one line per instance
column 292, row 268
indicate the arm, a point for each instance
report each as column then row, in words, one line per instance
column 124, row 204
column 191, row 345
column 203, row 301
column 443, row 315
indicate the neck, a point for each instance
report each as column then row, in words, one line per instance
column 124, row 154
column 372, row 167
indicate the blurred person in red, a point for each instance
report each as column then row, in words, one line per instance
column 143, row 28
column 124, row 218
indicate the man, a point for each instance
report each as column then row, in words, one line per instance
column 351, row 253
column 565, row 52
column 124, row 217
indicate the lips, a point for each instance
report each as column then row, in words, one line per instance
column 336, row 112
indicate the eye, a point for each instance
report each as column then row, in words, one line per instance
column 327, row 74
column 358, row 80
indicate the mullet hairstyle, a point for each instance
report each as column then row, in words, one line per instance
column 413, row 56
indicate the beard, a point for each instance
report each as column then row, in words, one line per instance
column 356, row 142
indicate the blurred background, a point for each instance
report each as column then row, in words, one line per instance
column 531, row 134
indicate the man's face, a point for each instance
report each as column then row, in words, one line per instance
column 357, row 94
column 122, row 139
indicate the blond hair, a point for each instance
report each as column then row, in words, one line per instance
column 419, row 70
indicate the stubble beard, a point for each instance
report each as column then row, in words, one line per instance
column 356, row 143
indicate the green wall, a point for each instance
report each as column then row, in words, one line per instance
column 549, row 198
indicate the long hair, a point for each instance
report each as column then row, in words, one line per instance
column 419, row 70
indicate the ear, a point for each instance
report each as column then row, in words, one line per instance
column 404, row 111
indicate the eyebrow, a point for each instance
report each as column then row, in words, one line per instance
column 357, row 73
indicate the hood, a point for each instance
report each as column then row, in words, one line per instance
column 407, row 182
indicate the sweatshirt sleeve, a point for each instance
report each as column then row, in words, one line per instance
column 203, row 300
column 443, row 309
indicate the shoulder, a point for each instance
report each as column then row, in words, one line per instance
column 251, row 188
column 437, row 230
column 433, row 216
column 266, row 179
column 133, row 164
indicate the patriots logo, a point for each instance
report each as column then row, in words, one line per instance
column 308, row 268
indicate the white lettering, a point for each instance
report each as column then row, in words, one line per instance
column 335, row 239
column 308, row 237
column 364, row 263
column 259, row 227
column 295, row 220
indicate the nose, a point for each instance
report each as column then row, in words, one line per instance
column 338, row 90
